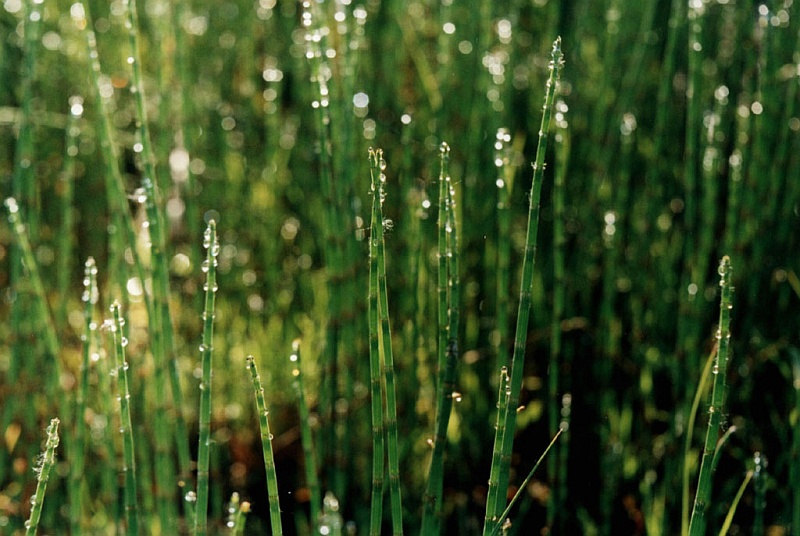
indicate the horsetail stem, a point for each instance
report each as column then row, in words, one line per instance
column 687, row 463
column 124, row 397
column 42, row 309
column 209, row 266
column 493, row 495
column 266, row 446
column 703, row 496
column 43, row 472
column 376, row 400
column 518, row 358
column 505, row 175
column 377, row 167
column 523, row 487
column 78, row 461
column 306, row 438
column 447, row 350
column 237, row 514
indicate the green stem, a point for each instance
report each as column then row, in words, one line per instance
column 43, row 470
column 312, row 481
column 432, row 501
column 266, row 446
column 732, row 510
column 520, row 339
column 124, row 397
column 209, row 266
column 378, row 448
column 377, row 166
column 78, row 461
column 703, row 496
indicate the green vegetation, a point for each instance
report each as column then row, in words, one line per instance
column 637, row 394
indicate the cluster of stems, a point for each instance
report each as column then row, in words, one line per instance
column 384, row 420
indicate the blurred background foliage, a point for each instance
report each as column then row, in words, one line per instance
column 677, row 133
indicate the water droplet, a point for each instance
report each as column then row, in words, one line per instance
column 190, row 496
column 124, row 342
column 271, row 437
column 204, row 266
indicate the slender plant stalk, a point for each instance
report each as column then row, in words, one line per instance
column 209, row 266
column 238, row 516
column 124, row 397
column 378, row 447
column 45, row 319
column 43, row 471
column 377, row 167
column 331, row 517
column 687, row 447
column 266, row 445
column 306, row 438
column 726, row 525
column 504, row 183
column 520, row 339
column 503, row 392
column 703, row 496
column 432, row 501
column 524, row 485
column 78, row 461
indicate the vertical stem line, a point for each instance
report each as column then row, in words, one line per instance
column 209, row 266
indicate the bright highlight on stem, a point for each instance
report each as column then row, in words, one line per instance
column 43, row 471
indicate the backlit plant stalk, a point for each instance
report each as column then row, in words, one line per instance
column 43, row 471
column 376, row 401
column 520, row 340
column 124, row 397
column 503, row 392
column 266, row 446
column 377, row 248
column 312, row 481
column 432, row 500
column 78, row 462
column 209, row 266
column 716, row 408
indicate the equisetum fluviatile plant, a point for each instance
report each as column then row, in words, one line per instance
column 209, row 266
column 378, row 252
column 446, row 351
column 697, row 524
column 306, row 438
column 495, row 503
column 120, row 371
column 90, row 298
column 266, row 447
column 43, row 468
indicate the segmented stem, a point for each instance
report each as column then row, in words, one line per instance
column 377, row 167
column 209, row 266
column 266, row 446
column 90, row 297
column 447, row 350
column 378, row 448
column 43, row 470
column 520, row 339
column 312, row 480
column 124, row 397
column 715, row 410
